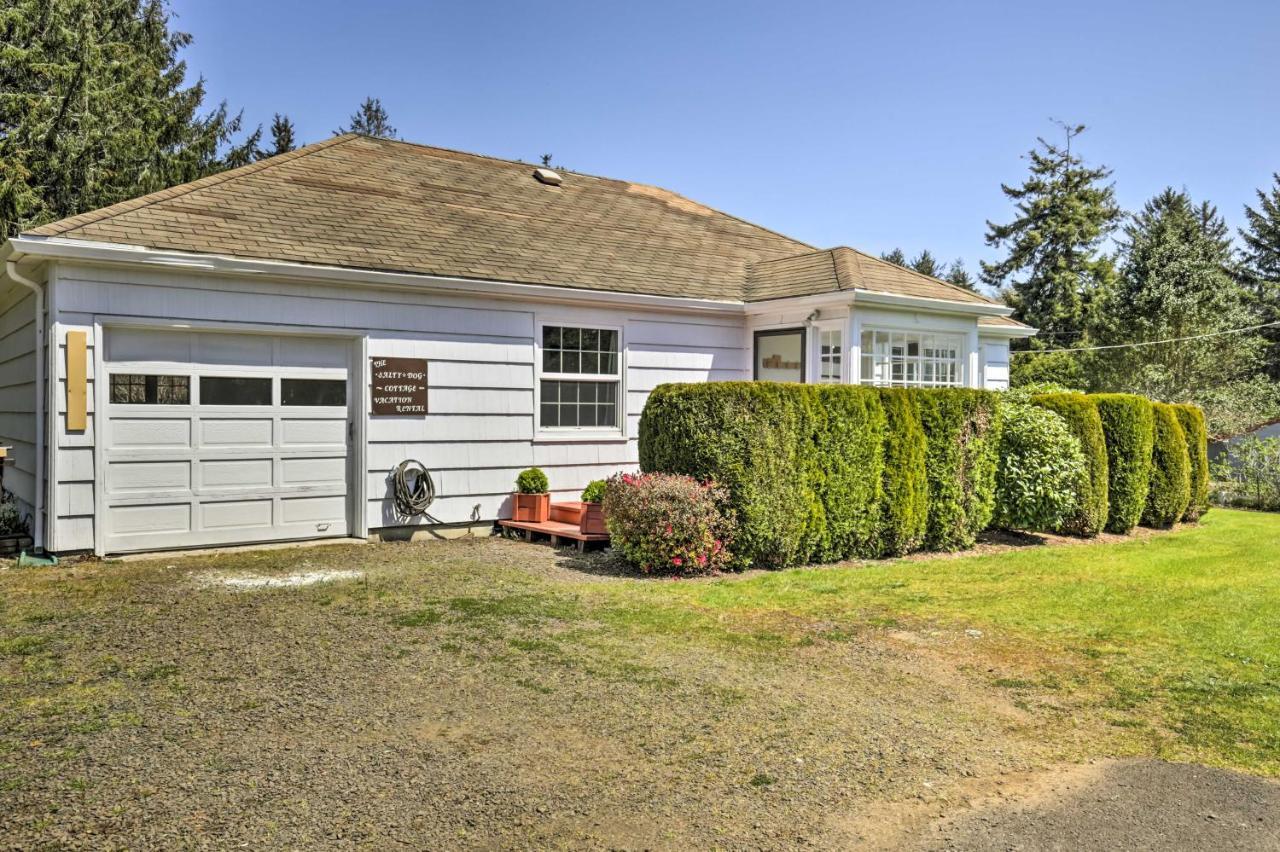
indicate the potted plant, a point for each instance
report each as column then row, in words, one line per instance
column 532, row 501
column 592, row 514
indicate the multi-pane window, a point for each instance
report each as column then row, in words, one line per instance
column 911, row 359
column 138, row 389
column 580, row 378
column 830, row 357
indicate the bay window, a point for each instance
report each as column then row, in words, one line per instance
column 580, row 378
column 912, row 359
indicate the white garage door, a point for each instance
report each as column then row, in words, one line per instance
column 223, row 439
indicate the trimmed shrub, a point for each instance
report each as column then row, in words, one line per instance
column 1041, row 471
column 904, row 503
column 1126, row 427
column 532, row 481
column 845, row 460
column 752, row 438
column 962, row 435
column 1191, row 419
column 665, row 523
column 594, row 492
column 1170, row 491
column 802, row 464
column 1081, row 416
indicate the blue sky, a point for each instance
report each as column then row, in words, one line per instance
column 866, row 124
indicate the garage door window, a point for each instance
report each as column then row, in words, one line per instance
column 313, row 392
column 234, row 390
column 139, row 389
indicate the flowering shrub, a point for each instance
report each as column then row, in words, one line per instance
column 668, row 523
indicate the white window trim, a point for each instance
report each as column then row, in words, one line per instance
column 963, row 358
column 570, row 434
column 821, row 327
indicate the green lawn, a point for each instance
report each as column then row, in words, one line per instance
column 1174, row 638
column 553, row 698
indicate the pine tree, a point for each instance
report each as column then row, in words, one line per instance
column 960, row 276
column 1175, row 283
column 370, row 119
column 895, row 256
column 94, row 109
column 1261, row 236
column 282, row 136
column 926, row 264
column 1054, row 274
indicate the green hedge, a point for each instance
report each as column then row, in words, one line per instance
column 904, row 506
column 962, row 435
column 1170, row 491
column 1126, row 427
column 846, row 460
column 751, row 438
column 1191, row 419
column 1081, row 414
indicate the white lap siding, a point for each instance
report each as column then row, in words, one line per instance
column 480, row 430
column 18, row 393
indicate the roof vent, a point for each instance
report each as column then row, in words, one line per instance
column 548, row 177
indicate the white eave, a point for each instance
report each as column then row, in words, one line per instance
column 140, row 256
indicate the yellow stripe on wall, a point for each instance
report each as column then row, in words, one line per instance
column 77, row 381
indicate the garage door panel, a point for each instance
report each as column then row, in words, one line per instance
column 151, row 519
column 313, row 432
column 149, row 432
column 235, row 473
column 200, row 474
column 235, row 432
column 124, row 477
column 244, row 514
column 301, row 510
column 298, row 472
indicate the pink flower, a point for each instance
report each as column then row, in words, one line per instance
column 677, row 561
column 702, row 559
column 668, row 529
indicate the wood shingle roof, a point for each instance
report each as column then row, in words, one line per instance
column 360, row 202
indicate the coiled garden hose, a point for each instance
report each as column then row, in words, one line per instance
column 413, row 487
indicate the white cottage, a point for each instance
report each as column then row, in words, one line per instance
column 246, row 358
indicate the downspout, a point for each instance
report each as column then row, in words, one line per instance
column 11, row 269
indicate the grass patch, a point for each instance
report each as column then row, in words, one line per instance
column 1183, row 626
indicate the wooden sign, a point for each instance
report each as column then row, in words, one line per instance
column 399, row 386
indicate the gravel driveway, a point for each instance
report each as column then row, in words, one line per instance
column 472, row 694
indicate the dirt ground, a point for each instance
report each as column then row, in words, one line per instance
column 490, row 694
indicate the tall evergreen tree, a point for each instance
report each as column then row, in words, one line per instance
column 926, row 264
column 960, row 276
column 371, row 119
column 1261, row 236
column 895, row 256
column 283, row 139
column 95, row 108
column 1174, row 284
column 1054, row 273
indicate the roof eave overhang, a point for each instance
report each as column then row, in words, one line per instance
column 88, row 251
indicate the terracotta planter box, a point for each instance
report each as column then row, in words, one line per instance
column 593, row 520
column 530, row 508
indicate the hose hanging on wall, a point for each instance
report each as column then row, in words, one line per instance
column 414, row 489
